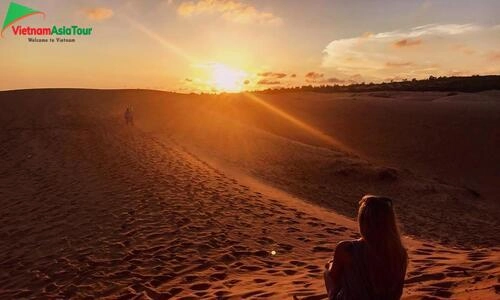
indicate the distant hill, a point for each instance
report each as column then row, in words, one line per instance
column 469, row 84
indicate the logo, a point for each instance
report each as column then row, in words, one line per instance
column 17, row 12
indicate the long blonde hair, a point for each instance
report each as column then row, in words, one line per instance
column 386, row 256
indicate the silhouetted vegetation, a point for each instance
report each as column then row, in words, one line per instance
column 474, row 83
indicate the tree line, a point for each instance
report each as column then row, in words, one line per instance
column 475, row 83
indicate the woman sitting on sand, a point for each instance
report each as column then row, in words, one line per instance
column 374, row 266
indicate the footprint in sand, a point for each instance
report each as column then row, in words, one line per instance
column 218, row 276
column 250, row 268
column 190, row 278
column 303, row 239
column 174, row 291
column 333, row 231
column 160, row 279
column 313, row 269
column 221, row 294
column 261, row 253
column 484, row 266
column 286, row 247
column 425, row 277
column 298, row 263
column 443, row 284
column 322, row 249
column 200, row 286
column 289, row 272
column 477, row 255
column 314, row 224
column 231, row 283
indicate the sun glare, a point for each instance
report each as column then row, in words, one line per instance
column 227, row 79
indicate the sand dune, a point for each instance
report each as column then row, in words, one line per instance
column 426, row 167
column 170, row 209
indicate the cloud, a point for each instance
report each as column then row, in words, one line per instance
column 231, row 10
column 493, row 55
column 428, row 50
column 391, row 64
column 407, row 43
column 335, row 80
column 99, row 13
column 293, row 75
column 319, row 78
column 314, row 76
column 464, row 49
column 272, row 74
column 268, row 82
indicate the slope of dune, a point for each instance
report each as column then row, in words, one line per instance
column 169, row 209
column 238, row 132
column 413, row 130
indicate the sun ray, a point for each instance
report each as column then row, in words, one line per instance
column 162, row 41
column 308, row 128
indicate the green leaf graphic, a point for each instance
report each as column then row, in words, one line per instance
column 16, row 12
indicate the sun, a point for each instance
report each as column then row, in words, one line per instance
column 227, row 79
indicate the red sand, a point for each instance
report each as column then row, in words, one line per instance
column 190, row 203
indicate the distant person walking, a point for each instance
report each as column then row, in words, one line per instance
column 129, row 116
column 374, row 266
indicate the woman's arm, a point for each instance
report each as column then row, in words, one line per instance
column 402, row 282
column 335, row 268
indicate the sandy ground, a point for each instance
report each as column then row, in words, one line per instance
column 192, row 201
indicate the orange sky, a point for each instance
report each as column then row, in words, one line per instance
column 233, row 45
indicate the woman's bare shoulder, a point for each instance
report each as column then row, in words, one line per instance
column 343, row 251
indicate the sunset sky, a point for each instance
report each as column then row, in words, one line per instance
column 233, row 45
